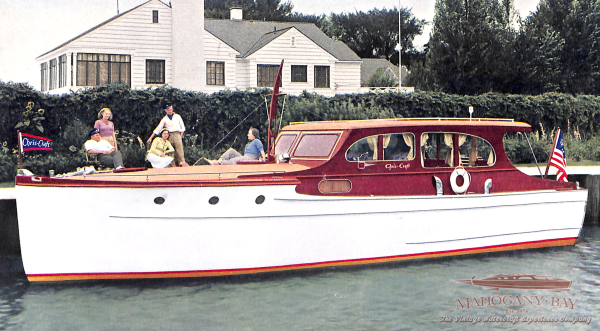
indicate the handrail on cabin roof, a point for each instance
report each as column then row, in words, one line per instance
column 415, row 119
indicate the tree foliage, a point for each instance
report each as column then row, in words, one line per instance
column 480, row 46
column 259, row 10
column 375, row 33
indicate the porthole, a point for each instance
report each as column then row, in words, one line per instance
column 213, row 200
column 159, row 200
column 260, row 199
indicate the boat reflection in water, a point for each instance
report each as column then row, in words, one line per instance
column 331, row 193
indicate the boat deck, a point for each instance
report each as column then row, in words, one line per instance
column 174, row 176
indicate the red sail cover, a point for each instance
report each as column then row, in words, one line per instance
column 34, row 143
column 273, row 113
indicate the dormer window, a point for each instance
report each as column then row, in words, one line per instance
column 155, row 16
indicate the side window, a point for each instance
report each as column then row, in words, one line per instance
column 437, row 149
column 476, row 152
column 316, row 145
column 361, row 151
column 395, row 147
column 399, row 146
column 284, row 143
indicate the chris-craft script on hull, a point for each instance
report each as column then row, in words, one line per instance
column 401, row 166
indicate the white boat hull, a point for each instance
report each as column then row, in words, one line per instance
column 101, row 233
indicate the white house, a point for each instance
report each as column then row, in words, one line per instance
column 155, row 44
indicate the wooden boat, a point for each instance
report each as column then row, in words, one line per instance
column 519, row 280
column 331, row 194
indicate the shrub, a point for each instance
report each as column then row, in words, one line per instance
column 382, row 78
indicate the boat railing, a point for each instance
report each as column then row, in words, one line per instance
column 416, row 119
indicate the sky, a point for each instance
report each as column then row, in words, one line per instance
column 29, row 28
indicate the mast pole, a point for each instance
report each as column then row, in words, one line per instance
column 20, row 151
column 273, row 116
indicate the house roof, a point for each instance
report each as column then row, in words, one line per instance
column 370, row 66
column 98, row 26
column 247, row 37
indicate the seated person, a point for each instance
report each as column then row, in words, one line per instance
column 253, row 149
column 157, row 155
column 107, row 155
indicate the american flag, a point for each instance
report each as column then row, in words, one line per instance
column 559, row 160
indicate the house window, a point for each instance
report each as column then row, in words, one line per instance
column 62, row 70
column 322, row 76
column 101, row 69
column 53, row 74
column 155, row 16
column 215, row 73
column 299, row 74
column 155, row 71
column 267, row 74
column 44, row 73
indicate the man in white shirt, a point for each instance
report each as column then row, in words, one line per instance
column 174, row 123
column 107, row 155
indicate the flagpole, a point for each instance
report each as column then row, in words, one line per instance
column 399, row 45
column 20, row 152
column 552, row 152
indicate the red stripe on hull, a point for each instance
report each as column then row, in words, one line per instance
column 228, row 272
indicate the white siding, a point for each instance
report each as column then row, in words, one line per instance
column 187, row 35
column 216, row 50
column 131, row 34
column 303, row 52
column 347, row 77
column 243, row 74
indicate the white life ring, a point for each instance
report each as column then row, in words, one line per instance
column 460, row 171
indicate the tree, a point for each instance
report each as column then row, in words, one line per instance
column 375, row 33
column 471, row 50
column 259, row 10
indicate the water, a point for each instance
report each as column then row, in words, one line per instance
column 399, row 296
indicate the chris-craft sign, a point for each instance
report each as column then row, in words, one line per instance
column 35, row 143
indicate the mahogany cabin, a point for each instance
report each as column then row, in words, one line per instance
column 397, row 157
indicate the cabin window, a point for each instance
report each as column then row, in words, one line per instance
column 266, row 74
column 62, row 70
column 316, row 145
column 44, row 73
column 155, row 16
column 155, row 71
column 437, row 149
column 299, row 74
column 476, row 152
column 284, row 143
column 322, row 76
column 384, row 147
column 53, row 74
column 100, row 69
column 215, row 73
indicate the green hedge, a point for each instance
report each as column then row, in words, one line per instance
column 208, row 118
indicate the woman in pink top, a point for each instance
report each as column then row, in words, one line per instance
column 106, row 127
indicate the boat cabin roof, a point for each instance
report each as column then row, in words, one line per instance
column 505, row 124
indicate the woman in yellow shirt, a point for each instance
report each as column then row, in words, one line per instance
column 157, row 155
